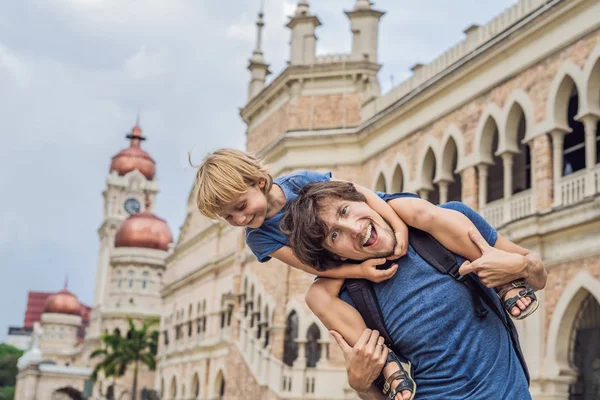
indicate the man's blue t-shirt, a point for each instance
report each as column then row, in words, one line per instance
column 431, row 319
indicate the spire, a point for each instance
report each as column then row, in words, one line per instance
column 258, row 68
column 364, row 24
column 66, row 281
column 136, row 133
column 304, row 42
column 257, row 55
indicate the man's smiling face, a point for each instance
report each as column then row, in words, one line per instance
column 356, row 231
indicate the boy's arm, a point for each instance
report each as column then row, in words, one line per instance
column 390, row 216
column 449, row 227
column 366, row 270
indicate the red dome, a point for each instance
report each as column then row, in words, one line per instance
column 144, row 230
column 134, row 157
column 63, row 302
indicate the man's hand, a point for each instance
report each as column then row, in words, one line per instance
column 495, row 267
column 365, row 360
column 401, row 244
column 370, row 272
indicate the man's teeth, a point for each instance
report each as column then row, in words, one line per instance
column 368, row 234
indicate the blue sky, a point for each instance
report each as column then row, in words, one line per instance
column 74, row 73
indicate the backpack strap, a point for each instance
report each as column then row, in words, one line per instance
column 445, row 262
column 362, row 294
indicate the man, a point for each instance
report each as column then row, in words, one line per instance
column 429, row 315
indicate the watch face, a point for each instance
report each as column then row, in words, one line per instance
column 132, row 206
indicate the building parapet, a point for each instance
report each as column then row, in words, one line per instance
column 333, row 58
column 476, row 37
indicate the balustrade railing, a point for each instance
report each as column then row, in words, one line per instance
column 493, row 213
column 572, row 188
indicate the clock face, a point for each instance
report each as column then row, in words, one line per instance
column 132, row 206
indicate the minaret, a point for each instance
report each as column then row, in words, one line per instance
column 257, row 66
column 131, row 178
column 304, row 41
column 364, row 24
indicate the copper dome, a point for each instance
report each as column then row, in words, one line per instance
column 144, row 230
column 134, row 157
column 63, row 302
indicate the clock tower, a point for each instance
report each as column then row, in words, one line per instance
column 130, row 188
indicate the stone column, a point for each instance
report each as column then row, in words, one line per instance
column 423, row 193
column 507, row 163
column 558, row 137
column 541, row 166
column 443, row 188
column 482, row 170
column 469, row 195
column 300, row 362
column 590, row 122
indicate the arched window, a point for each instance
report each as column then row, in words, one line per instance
column 380, row 184
column 313, row 347
column 450, row 162
column 173, row 388
column 117, row 332
column 521, row 168
column 130, row 276
column 428, row 175
column 266, row 316
column 397, row 180
column 118, row 278
column 258, row 322
column 584, row 352
column 145, row 279
column 574, row 142
column 220, row 386
column 495, row 177
column 196, row 386
column 290, row 346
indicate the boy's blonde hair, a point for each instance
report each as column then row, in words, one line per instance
column 224, row 175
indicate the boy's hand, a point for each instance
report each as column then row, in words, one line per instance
column 401, row 245
column 370, row 272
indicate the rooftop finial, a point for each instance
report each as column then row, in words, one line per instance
column 362, row 5
column 257, row 54
column 66, row 281
column 137, row 118
column 302, row 8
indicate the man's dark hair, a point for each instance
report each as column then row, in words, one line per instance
column 303, row 224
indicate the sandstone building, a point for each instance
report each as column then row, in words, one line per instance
column 506, row 121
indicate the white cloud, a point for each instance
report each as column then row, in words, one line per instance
column 145, row 64
column 243, row 29
column 15, row 67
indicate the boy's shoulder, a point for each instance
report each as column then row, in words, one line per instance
column 297, row 179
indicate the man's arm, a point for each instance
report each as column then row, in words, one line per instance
column 504, row 263
column 366, row 270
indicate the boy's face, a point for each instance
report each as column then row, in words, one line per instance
column 250, row 209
